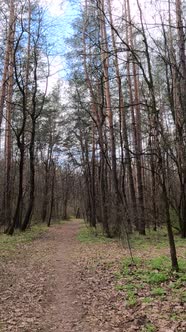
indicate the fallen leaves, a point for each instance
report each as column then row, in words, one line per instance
column 58, row 276
column 24, row 288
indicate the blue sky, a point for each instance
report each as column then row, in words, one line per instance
column 59, row 15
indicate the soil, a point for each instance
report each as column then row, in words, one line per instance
column 56, row 283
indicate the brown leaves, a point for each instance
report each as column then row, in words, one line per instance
column 23, row 287
column 60, row 284
column 108, row 309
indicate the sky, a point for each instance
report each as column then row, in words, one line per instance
column 60, row 14
column 55, row 7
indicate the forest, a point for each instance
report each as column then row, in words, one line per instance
column 104, row 142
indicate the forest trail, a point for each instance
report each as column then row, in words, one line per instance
column 67, row 311
column 50, row 284
column 80, row 300
column 82, row 278
column 58, row 284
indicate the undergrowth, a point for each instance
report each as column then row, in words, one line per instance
column 91, row 235
column 158, row 239
column 9, row 243
column 145, row 280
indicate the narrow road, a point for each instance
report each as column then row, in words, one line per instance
column 84, row 295
column 67, row 310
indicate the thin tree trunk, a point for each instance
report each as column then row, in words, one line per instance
column 45, row 200
column 182, row 100
column 109, row 112
column 136, row 120
column 8, row 143
column 157, row 126
column 123, row 124
column 168, row 220
column 52, row 196
column 32, row 176
column 98, row 117
column 17, row 214
column 8, row 52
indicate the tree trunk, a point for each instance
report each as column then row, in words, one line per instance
column 32, row 178
column 136, row 122
column 123, row 125
column 7, row 57
column 52, row 196
column 106, row 84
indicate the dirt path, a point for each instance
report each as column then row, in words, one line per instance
column 67, row 310
column 80, row 290
column 56, row 283
column 46, row 286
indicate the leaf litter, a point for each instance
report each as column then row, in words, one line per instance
column 57, row 283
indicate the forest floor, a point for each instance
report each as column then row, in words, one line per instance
column 67, row 280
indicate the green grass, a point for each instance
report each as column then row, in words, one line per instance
column 174, row 317
column 9, row 243
column 90, row 235
column 157, row 277
column 147, row 299
column 183, row 297
column 160, row 263
column 149, row 327
column 131, row 298
column 146, row 272
column 158, row 291
column 1, row 326
column 182, row 266
column 158, row 239
column 121, row 287
column 59, row 222
column 149, row 278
